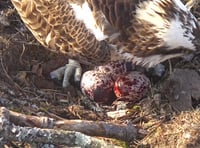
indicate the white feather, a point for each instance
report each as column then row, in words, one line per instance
column 172, row 32
column 175, row 36
column 84, row 14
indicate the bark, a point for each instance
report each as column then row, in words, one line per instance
column 91, row 128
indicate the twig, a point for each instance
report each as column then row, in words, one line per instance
column 7, row 75
column 21, row 55
column 92, row 128
column 10, row 132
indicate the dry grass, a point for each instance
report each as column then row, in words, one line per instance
column 181, row 132
column 30, row 91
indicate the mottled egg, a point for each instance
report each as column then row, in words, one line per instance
column 132, row 86
column 98, row 87
column 115, row 69
column 114, row 81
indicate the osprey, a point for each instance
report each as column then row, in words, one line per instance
column 146, row 32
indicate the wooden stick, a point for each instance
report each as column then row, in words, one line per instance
column 10, row 132
column 91, row 128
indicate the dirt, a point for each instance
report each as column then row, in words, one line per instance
column 25, row 85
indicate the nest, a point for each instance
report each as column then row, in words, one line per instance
column 25, row 87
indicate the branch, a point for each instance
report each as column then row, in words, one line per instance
column 10, row 132
column 91, row 128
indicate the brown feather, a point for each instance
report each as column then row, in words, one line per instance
column 54, row 25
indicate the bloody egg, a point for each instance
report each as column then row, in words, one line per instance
column 114, row 81
column 133, row 85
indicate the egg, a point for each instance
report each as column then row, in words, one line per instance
column 132, row 86
column 98, row 87
column 114, row 81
